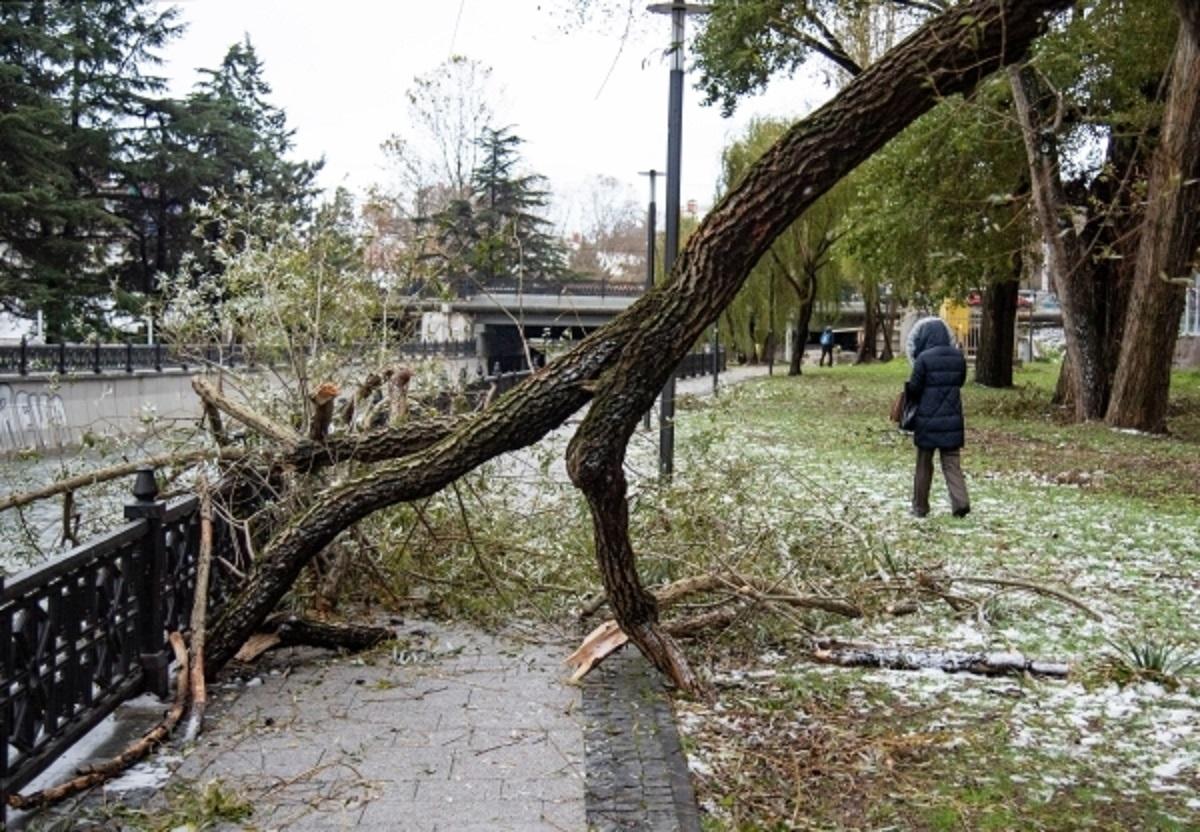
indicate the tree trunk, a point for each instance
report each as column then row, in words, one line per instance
column 803, row 318
column 887, row 325
column 623, row 365
column 867, row 348
column 1070, row 268
column 997, row 333
column 1166, row 250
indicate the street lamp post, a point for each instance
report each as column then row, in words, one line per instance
column 651, row 234
column 679, row 12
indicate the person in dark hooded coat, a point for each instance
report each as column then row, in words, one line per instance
column 938, row 374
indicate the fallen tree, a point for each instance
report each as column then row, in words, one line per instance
column 621, row 367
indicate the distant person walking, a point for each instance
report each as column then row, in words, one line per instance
column 826, row 346
column 938, row 374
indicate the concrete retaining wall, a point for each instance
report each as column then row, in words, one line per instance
column 54, row 412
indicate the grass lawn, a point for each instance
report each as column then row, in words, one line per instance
column 1112, row 518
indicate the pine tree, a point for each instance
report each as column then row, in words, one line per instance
column 72, row 91
column 513, row 237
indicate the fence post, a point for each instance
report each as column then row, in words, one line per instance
column 158, row 358
column 151, row 636
column 129, row 356
column 23, row 358
column 96, row 358
column 62, row 358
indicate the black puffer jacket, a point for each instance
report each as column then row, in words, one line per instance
column 939, row 370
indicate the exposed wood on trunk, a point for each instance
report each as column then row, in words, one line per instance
column 322, row 399
column 1167, row 248
column 109, row 769
column 853, row 654
column 630, row 358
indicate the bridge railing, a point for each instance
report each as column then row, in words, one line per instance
column 86, row 631
column 587, row 288
column 439, row 349
column 27, row 358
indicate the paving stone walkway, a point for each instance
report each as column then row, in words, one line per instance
column 452, row 729
column 447, row 729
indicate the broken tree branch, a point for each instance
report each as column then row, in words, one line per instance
column 1015, row 583
column 112, row 472
column 199, row 616
column 247, row 416
column 627, row 361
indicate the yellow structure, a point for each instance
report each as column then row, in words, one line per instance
column 958, row 317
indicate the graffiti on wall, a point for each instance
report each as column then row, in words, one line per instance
column 31, row 420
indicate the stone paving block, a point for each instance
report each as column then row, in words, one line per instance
column 458, row 791
column 475, row 732
column 426, row 763
column 526, row 759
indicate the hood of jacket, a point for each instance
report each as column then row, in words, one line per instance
column 927, row 333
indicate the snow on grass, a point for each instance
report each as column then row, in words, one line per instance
column 1134, row 561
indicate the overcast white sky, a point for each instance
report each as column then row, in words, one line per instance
column 340, row 69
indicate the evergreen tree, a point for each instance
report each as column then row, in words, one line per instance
column 73, row 92
column 225, row 138
column 513, row 240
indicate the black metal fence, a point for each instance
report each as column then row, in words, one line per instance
column 582, row 288
column 700, row 364
column 25, row 358
column 88, row 630
column 439, row 349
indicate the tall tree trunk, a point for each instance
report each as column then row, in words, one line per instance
column 867, row 351
column 623, row 365
column 887, row 325
column 1166, row 251
column 997, row 332
column 1070, row 268
column 804, row 310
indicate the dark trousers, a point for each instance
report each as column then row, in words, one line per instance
column 955, row 483
column 826, row 351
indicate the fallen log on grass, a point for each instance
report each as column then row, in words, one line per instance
column 854, row 654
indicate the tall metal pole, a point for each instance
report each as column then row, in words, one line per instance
column 679, row 12
column 651, row 239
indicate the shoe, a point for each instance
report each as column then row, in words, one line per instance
column 961, row 512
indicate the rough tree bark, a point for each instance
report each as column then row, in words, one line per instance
column 1070, row 267
column 1166, row 251
column 997, row 331
column 805, row 287
column 622, row 366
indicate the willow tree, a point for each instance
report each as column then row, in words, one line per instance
column 621, row 367
column 801, row 258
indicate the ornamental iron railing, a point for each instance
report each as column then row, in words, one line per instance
column 86, row 631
